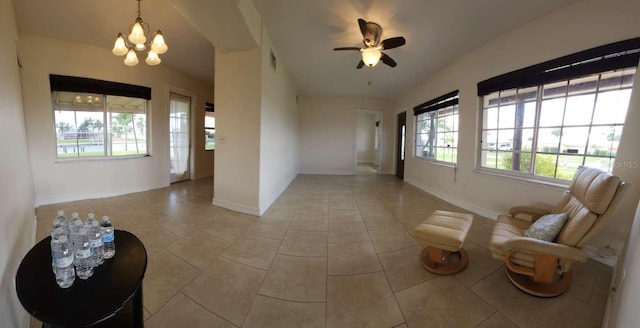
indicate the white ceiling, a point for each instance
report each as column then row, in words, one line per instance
column 304, row 32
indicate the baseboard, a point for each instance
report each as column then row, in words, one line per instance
column 264, row 205
column 473, row 208
column 72, row 198
column 328, row 172
column 236, row 207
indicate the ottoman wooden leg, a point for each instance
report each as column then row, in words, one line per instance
column 443, row 262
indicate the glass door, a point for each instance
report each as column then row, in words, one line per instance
column 179, row 140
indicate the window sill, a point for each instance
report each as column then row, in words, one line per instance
column 560, row 185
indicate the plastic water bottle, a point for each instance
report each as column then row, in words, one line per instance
column 65, row 274
column 55, row 234
column 84, row 268
column 90, row 218
column 75, row 224
column 95, row 241
column 108, row 238
column 60, row 221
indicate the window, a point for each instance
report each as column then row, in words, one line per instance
column 437, row 129
column 209, row 127
column 560, row 115
column 98, row 124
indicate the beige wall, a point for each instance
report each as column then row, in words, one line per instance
column 278, row 128
column 60, row 181
column 237, row 162
column 17, row 216
column 327, row 133
column 365, row 138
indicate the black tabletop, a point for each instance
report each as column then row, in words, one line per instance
column 89, row 301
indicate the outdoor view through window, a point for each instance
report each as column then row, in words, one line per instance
column 81, row 130
column 549, row 130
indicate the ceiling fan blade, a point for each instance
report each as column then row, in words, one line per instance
column 347, row 48
column 393, row 42
column 388, row 60
column 360, row 64
column 363, row 26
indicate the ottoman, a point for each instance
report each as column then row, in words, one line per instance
column 443, row 233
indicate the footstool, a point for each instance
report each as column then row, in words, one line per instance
column 443, row 233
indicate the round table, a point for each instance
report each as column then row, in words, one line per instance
column 111, row 297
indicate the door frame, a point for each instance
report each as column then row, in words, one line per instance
column 396, row 141
column 186, row 93
column 380, row 117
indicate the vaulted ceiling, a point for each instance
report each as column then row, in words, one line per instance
column 304, row 33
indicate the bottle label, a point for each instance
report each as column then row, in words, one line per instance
column 108, row 238
column 64, row 262
column 95, row 242
column 83, row 253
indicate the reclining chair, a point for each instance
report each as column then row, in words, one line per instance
column 543, row 268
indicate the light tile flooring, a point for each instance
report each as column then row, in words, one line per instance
column 332, row 251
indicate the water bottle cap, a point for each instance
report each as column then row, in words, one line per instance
column 91, row 216
column 74, row 214
column 62, row 239
column 60, row 212
column 105, row 219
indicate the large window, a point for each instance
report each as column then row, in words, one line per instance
column 548, row 129
column 436, row 136
column 97, row 124
column 209, row 127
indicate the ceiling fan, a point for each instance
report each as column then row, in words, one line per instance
column 372, row 52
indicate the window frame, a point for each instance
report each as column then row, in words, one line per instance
column 78, row 87
column 437, row 108
column 619, row 56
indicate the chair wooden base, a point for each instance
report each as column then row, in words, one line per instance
column 526, row 284
column 443, row 262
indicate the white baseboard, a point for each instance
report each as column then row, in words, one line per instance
column 236, row 207
column 328, row 172
column 264, row 205
column 71, row 198
column 487, row 213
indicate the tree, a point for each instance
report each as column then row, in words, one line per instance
column 63, row 127
column 121, row 124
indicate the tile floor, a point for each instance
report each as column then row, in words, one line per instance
column 332, row 251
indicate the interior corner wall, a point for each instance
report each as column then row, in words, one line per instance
column 17, row 212
column 327, row 133
column 278, row 128
column 238, row 77
column 582, row 25
column 365, row 138
column 60, row 181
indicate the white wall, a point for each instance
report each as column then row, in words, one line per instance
column 327, row 133
column 365, row 138
column 278, row 128
column 60, row 181
column 237, row 161
column 17, row 215
column 583, row 25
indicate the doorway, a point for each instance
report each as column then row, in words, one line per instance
column 401, row 142
column 367, row 141
column 179, row 137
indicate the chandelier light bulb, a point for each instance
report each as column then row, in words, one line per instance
column 140, row 46
column 137, row 33
column 119, row 47
column 131, row 59
column 158, row 45
column 371, row 56
column 152, row 58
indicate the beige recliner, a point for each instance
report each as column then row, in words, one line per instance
column 543, row 268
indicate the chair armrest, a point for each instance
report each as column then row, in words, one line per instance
column 544, row 247
column 531, row 212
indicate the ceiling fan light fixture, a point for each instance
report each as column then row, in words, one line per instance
column 371, row 56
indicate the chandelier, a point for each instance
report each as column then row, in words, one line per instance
column 137, row 41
